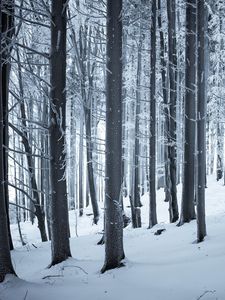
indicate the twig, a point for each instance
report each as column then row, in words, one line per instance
column 70, row 266
column 25, row 297
column 49, row 276
column 206, row 292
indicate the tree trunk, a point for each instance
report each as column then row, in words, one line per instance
column 59, row 205
column 87, row 191
column 7, row 23
column 165, row 102
column 220, row 150
column 114, row 252
column 152, row 148
column 202, row 17
column 172, row 156
column 5, row 258
column 136, row 219
column 91, row 180
column 188, row 193
column 81, row 200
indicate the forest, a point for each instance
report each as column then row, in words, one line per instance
column 112, row 149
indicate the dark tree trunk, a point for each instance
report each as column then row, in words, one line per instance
column 91, row 180
column 5, row 258
column 59, row 205
column 81, row 199
column 172, row 156
column 165, row 102
column 124, row 129
column 188, row 193
column 46, row 171
column 136, row 219
column 87, row 192
column 114, row 252
column 7, row 23
column 220, row 137
column 201, row 113
column 152, row 148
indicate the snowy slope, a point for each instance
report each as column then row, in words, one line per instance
column 166, row 267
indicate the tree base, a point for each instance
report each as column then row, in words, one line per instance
column 183, row 221
column 111, row 266
column 2, row 276
column 58, row 260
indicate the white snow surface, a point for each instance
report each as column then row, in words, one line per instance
column 170, row 266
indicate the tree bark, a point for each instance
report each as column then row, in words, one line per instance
column 202, row 17
column 188, row 193
column 152, row 148
column 172, row 156
column 136, row 219
column 7, row 23
column 59, row 205
column 220, row 148
column 81, row 199
column 114, row 252
column 165, row 102
column 6, row 266
column 91, row 180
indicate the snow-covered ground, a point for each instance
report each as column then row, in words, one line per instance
column 165, row 267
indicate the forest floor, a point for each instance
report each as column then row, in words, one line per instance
column 170, row 266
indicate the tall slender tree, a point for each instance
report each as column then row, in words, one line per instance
column 165, row 102
column 188, row 193
column 6, row 266
column 7, row 23
column 172, row 155
column 59, row 206
column 114, row 252
column 136, row 211
column 81, row 181
column 201, row 122
column 152, row 148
